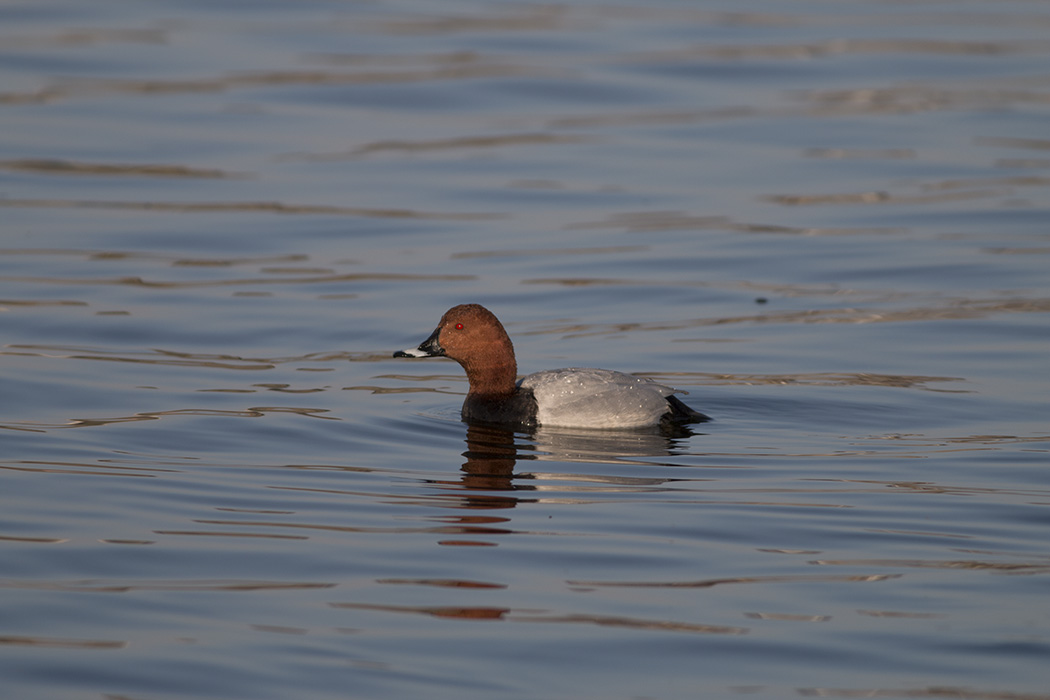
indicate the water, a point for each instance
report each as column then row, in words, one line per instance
column 827, row 222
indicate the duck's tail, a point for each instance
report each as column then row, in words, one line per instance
column 680, row 413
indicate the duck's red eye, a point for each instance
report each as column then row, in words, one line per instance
column 459, row 326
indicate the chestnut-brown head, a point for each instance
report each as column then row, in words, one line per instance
column 471, row 335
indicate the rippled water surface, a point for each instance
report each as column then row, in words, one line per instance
column 828, row 222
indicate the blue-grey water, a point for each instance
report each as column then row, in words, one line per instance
column 829, row 222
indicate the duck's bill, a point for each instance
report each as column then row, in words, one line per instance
column 428, row 348
column 411, row 352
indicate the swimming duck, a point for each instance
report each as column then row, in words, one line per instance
column 572, row 397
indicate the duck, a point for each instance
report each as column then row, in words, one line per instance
column 572, row 397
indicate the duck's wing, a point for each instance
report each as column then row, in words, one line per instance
column 584, row 397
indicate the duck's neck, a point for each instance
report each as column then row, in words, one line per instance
column 492, row 380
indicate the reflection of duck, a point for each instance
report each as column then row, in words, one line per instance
column 491, row 456
column 471, row 335
column 566, row 445
column 493, row 453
